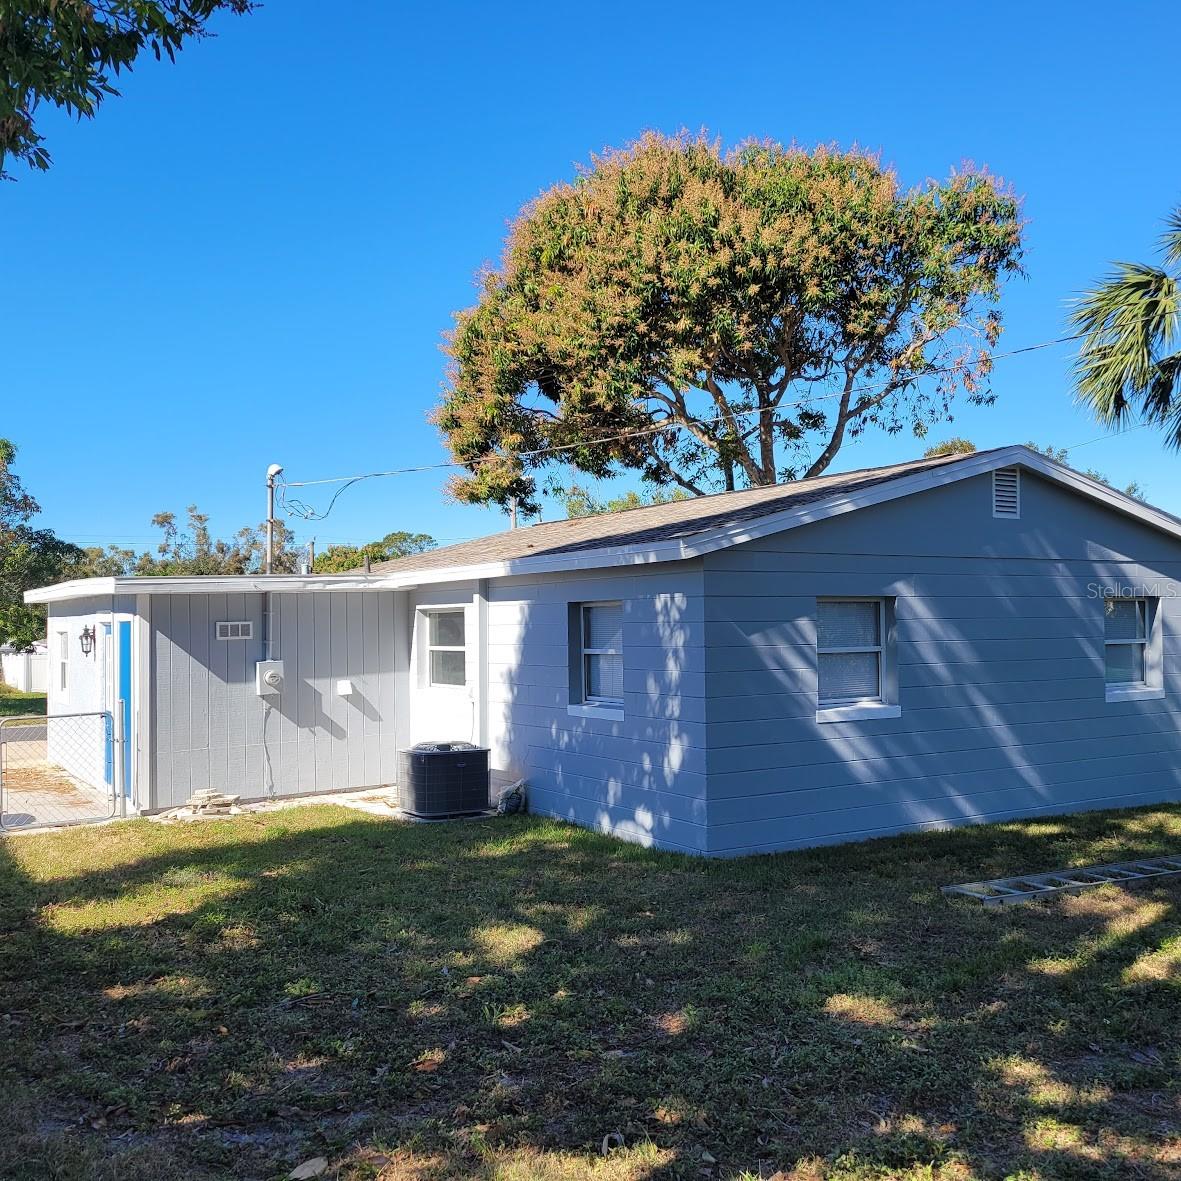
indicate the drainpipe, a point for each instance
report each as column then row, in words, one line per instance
column 270, row 640
column 480, row 704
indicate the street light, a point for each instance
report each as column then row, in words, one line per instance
column 276, row 469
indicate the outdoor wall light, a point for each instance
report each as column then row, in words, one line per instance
column 86, row 639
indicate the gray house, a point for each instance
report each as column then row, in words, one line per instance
column 953, row 640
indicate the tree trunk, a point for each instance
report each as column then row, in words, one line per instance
column 767, row 471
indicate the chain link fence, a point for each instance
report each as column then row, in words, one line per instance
column 57, row 770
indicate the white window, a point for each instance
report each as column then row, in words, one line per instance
column 235, row 630
column 849, row 650
column 1125, row 641
column 446, row 648
column 63, row 661
column 601, row 655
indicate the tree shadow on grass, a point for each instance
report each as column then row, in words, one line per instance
column 512, row 998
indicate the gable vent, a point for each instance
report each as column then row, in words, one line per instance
column 1006, row 492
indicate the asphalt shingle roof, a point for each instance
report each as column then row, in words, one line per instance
column 654, row 523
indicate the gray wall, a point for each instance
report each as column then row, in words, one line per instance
column 1000, row 669
column 210, row 729
column 1000, row 662
column 642, row 778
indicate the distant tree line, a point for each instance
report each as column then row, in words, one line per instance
column 339, row 559
column 32, row 557
column 958, row 446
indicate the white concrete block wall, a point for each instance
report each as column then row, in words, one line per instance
column 79, row 685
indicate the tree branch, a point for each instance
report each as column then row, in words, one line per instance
column 670, row 473
column 847, row 413
column 742, row 454
column 838, row 431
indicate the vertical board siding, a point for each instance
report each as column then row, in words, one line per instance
column 213, row 731
column 1000, row 663
column 641, row 778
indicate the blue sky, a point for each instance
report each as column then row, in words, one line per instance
column 251, row 255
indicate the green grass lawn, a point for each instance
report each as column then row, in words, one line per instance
column 517, row 999
column 14, row 703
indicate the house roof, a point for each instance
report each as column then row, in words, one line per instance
column 651, row 524
column 656, row 533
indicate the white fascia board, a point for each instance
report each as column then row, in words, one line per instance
column 589, row 559
column 847, row 502
column 1017, row 456
column 672, row 550
column 81, row 588
column 76, row 588
column 793, row 518
column 724, row 536
column 1154, row 517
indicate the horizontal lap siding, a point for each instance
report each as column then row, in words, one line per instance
column 641, row 778
column 211, row 730
column 1000, row 669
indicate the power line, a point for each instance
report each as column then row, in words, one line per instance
column 1110, row 435
column 301, row 509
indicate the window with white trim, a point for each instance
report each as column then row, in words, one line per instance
column 601, row 653
column 235, row 629
column 63, row 661
column 1125, row 641
column 446, row 648
column 849, row 650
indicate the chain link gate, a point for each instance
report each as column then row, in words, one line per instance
column 62, row 769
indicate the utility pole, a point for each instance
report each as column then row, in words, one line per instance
column 273, row 471
column 312, row 556
column 512, row 513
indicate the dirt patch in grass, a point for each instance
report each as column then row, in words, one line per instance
column 51, row 781
column 517, row 1000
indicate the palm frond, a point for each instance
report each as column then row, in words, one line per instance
column 1171, row 238
column 1166, row 390
column 1124, row 323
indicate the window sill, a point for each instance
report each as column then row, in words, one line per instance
column 859, row 711
column 607, row 713
column 1134, row 693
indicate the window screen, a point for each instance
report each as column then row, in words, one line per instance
column 447, row 659
column 602, row 652
column 1125, row 635
column 848, row 650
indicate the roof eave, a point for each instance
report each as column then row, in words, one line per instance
column 821, row 509
column 84, row 588
column 671, row 550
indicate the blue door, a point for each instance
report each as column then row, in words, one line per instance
column 109, row 747
column 125, row 699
